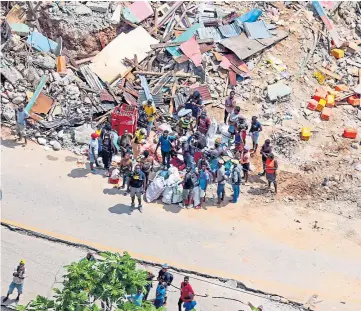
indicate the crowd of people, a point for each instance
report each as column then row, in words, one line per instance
column 203, row 157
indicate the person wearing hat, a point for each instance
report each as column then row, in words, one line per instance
column 18, row 280
column 204, row 122
column 187, row 293
column 150, row 110
column 266, row 150
column 93, row 151
column 245, row 161
column 165, row 143
column 221, row 181
column 235, row 181
column 21, row 115
column 271, row 169
column 165, row 278
column 195, row 103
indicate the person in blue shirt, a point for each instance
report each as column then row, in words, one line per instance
column 203, row 183
column 137, row 298
column 160, row 295
column 165, row 147
column 254, row 131
column 21, row 115
column 195, row 103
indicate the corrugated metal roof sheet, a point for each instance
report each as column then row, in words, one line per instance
column 180, row 99
column 144, row 83
column 209, row 33
column 230, row 30
column 91, row 78
column 205, row 93
column 130, row 99
column 158, row 98
column 232, row 78
column 105, row 96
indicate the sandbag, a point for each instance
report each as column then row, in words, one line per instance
column 155, row 189
column 167, row 195
column 212, row 128
column 177, row 194
column 173, row 176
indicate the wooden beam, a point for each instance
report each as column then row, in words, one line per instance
column 159, row 74
column 329, row 73
column 167, row 44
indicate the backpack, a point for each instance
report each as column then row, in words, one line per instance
column 107, row 142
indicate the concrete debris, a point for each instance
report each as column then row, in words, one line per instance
column 278, row 90
column 41, row 141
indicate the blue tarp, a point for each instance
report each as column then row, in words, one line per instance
column 41, row 43
column 249, row 17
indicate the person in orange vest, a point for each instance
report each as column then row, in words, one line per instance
column 271, row 168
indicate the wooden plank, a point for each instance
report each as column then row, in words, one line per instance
column 168, row 44
column 329, row 73
column 135, row 94
column 159, row 74
column 174, row 89
column 162, row 81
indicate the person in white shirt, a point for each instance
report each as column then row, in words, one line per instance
column 93, row 151
column 18, row 280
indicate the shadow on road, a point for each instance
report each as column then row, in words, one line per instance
column 11, row 143
column 79, row 173
column 121, row 209
column 8, row 302
column 112, row 191
column 173, row 208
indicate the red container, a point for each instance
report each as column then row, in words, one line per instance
column 114, row 181
column 125, row 118
column 350, row 133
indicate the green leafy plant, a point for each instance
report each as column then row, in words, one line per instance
column 99, row 285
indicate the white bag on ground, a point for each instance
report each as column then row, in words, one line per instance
column 212, row 128
column 173, row 176
column 177, row 194
column 196, row 196
column 167, row 195
column 155, row 189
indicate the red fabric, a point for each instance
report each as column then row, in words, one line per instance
column 176, row 162
column 186, row 290
column 94, row 135
column 203, row 125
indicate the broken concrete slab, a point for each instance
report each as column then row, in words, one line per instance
column 82, row 9
column 101, row 7
column 10, row 73
column 278, row 90
column 20, row 29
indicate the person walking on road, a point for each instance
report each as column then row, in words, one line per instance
column 165, row 147
column 165, row 278
column 93, row 151
column 203, row 183
column 235, row 181
column 147, row 163
column 190, row 181
column 18, row 281
column 108, row 147
column 221, row 181
column 136, row 186
column 186, row 292
column 21, row 115
column 271, row 169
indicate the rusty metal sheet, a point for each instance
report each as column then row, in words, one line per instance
column 162, row 81
column 43, row 104
column 130, row 99
column 204, row 91
column 91, row 78
column 232, row 78
column 209, row 33
column 106, row 97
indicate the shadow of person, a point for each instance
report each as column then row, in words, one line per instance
column 11, row 143
column 173, row 208
column 121, row 209
column 256, row 179
column 111, row 191
column 79, row 173
column 7, row 302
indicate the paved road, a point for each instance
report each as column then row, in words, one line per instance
column 260, row 246
column 45, row 261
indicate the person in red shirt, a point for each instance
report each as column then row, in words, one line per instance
column 186, row 292
column 203, row 123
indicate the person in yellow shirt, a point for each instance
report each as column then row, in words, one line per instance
column 150, row 111
column 139, row 139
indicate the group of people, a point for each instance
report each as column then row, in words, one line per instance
column 186, row 149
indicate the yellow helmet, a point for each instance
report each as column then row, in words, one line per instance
column 22, row 261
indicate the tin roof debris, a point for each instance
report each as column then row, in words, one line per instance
column 257, row 30
column 138, row 11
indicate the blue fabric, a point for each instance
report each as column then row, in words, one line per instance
column 188, row 306
column 158, row 303
column 22, row 115
column 189, row 161
column 137, row 299
column 255, row 137
column 19, row 287
column 203, row 177
column 236, row 189
column 165, row 143
column 220, row 190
